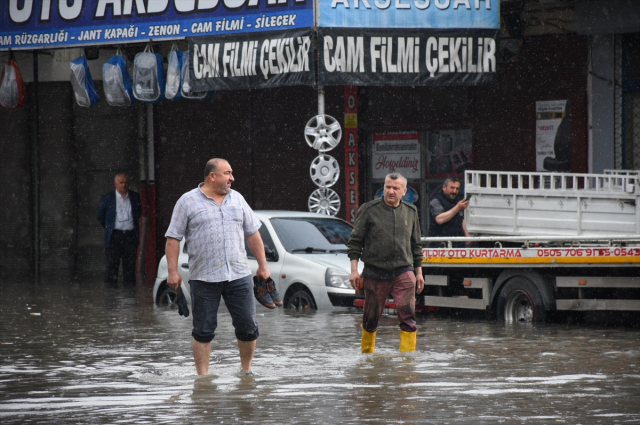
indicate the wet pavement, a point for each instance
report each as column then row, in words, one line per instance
column 90, row 353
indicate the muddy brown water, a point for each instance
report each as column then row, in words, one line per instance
column 89, row 353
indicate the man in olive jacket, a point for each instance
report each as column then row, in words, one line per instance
column 386, row 237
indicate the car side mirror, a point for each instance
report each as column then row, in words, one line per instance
column 271, row 254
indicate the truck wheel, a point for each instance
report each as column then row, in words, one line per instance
column 520, row 301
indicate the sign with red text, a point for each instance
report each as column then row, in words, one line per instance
column 351, row 151
column 531, row 255
column 396, row 152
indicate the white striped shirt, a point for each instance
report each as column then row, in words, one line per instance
column 214, row 234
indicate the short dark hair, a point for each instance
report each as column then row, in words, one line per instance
column 450, row 180
column 212, row 166
column 396, row 176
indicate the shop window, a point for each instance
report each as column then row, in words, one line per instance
column 448, row 153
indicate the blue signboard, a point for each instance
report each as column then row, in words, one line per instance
column 439, row 14
column 33, row 24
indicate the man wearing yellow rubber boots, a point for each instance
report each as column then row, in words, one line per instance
column 386, row 237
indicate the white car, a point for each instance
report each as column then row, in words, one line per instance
column 306, row 254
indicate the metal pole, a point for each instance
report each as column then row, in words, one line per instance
column 143, row 194
column 320, row 100
column 36, row 171
column 151, row 246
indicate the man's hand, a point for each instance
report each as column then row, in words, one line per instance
column 172, row 251
column 263, row 273
column 419, row 280
column 462, row 205
column 353, row 278
column 174, row 280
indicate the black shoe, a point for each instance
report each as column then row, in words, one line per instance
column 181, row 301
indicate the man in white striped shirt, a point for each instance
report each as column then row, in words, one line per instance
column 215, row 219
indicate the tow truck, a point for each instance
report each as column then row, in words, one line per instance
column 543, row 242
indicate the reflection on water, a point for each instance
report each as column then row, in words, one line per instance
column 78, row 353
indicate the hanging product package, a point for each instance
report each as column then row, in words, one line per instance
column 117, row 82
column 13, row 92
column 174, row 69
column 148, row 76
column 82, row 83
column 185, row 88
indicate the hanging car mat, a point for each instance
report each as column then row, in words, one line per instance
column 174, row 69
column 117, row 82
column 185, row 88
column 82, row 83
column 148, row 76
column 13, row 92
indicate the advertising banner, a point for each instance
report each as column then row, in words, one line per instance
column 250, row 61
column 553, row 135
column 351, row 165
column 410, row 13
column 396, row 152
column 406, row 57
column 31, row 24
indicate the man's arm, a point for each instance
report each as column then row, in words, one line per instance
column 257, row 248
column 416, row 252
column 448, row 215
column 172, row 251
column 356, row 244
column 419, row 279
column 354, row 274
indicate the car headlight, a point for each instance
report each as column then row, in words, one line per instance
column 337, row 278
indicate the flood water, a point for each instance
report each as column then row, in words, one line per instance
column 90, row 353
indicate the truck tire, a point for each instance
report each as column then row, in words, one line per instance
column 519, row 302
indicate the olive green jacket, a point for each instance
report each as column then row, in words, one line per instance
column 386, row 238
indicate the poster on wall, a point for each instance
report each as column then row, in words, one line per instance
column 396, row 152
column 553, row 135
column 448, row 153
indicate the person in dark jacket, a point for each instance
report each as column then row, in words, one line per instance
column 386, row 237
column 119, row 213
column 446, row 213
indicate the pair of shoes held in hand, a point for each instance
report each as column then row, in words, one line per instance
column 266, row 293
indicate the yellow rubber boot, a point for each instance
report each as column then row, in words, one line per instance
column 407, row 341
column 368, row 341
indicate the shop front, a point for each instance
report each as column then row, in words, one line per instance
column 419, row 90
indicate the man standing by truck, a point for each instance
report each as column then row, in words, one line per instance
column 386, row 236
column 446, row 210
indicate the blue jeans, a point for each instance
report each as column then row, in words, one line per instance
column 239, row 299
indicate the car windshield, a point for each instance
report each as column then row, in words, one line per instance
column 312, row 235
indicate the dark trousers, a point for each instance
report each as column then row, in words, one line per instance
column 123, row 246
column 403, row 291
column 239, row 299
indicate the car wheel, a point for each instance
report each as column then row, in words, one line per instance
column 520, row 302
column 301, row 300
column 168, row 296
